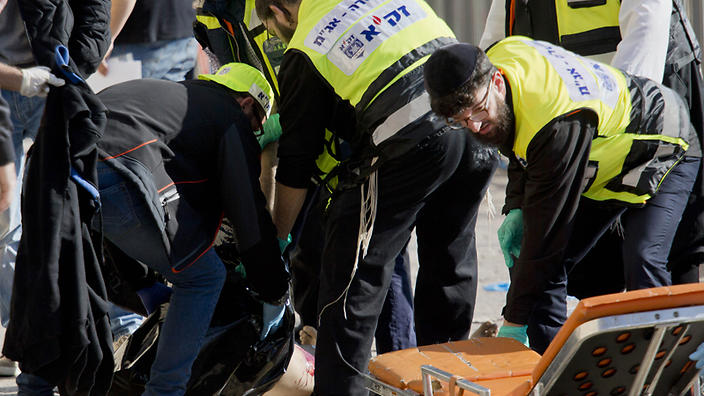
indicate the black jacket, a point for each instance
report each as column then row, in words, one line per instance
column 58, row 326
column 190, row 150
column 82, row 26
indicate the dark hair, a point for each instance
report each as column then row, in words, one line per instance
column 462, row 97
column 264, row 12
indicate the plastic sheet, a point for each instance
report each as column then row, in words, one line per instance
column 232, row 361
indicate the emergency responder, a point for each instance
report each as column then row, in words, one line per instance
column 652, row 39
column 184, row 154
column 593, row 142
column 215, row 30
column 355, row 69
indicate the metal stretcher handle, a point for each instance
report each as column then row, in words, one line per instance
column 428, row 371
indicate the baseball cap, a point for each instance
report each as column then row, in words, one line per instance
column 241, row 77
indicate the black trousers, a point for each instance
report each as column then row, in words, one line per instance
column 647, row 236
column 395, row 328
column 687, row 252
column 436, row 187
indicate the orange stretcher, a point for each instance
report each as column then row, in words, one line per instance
column 633, row 343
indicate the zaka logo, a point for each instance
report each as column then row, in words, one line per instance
column 352, row 47
column 392, row 18
column 347, row 38
column 224, row 70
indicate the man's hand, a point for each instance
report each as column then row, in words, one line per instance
column 103, row 66
column 120, row 11
column 36, row 81
column 8, row 179
column 510, row 235
column 515, row 331
column 271, row 131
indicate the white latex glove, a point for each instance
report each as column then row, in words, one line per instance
column 36, row 81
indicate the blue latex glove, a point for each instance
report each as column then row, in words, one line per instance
column 518, row 333
column 698, row 356
column 272, row 316
column 284, row 243
column 271, row 131
column 510, row 235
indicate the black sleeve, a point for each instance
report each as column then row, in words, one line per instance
column 81, row 26
column 557, row 157
column 515, row 185
column 7, row 152
column 245, row 206
column 308, row 106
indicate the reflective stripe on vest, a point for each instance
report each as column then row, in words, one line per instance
column 587, row 27
column 362, row 47
column 402, row 117
column 628, row 161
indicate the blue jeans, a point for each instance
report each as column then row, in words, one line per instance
column 128, row 223
column 33, row 385
column 163, row 60
column 26, row 114
column 395, row 329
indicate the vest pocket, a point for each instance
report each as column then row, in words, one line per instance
column 585, row 3
column 593, row 42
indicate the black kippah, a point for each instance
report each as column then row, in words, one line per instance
column 449, row 67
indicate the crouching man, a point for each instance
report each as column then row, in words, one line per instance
column 589, row 145
column 175, row 159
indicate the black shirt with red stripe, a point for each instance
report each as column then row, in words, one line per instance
column 193, row 137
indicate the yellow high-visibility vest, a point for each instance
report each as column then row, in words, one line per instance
column 548, row 81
